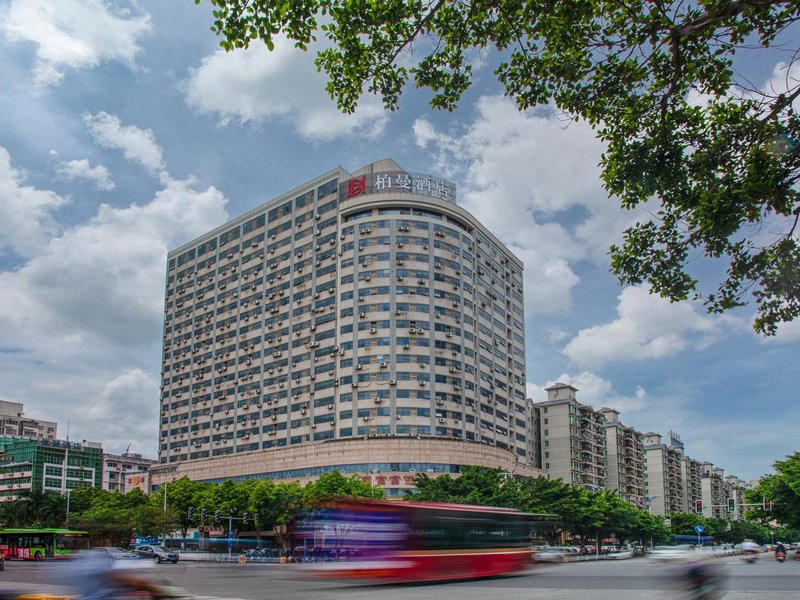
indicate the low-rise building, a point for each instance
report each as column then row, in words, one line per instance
column 13, row 422
column 49, row 465
column 123, row 472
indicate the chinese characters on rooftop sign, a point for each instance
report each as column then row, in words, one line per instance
column 398, row 182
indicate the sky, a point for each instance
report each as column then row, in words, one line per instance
column 125, row 132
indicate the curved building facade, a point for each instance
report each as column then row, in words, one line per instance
column 359, row 306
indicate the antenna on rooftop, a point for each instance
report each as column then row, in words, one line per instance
column 128, row 449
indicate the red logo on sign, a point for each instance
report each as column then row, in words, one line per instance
column 356, row 186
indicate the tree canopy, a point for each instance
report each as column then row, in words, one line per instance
column 782, row 490
column 568, row 508
column 656, row 80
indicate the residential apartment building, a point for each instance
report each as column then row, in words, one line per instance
column 713, row 492
column 692, row 490
column 13, row 422
column 664, row 480
column 354, row 311
column 573, row 437
column 625, row 458
column 735, row 489
column 534, row 421
column 123, row 472
column 49, row 465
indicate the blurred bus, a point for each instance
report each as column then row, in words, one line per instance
column 416, row 541
column 42, row 544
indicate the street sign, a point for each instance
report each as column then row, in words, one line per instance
column 699, row 528
column 242, row 559
column 230, row 538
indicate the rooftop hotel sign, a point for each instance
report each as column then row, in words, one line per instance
column 388, row 182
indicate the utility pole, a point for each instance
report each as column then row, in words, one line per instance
column 165, row 511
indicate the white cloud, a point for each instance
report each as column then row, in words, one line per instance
column 556, row 334
column 80, row 321
column 647, row 327
column 25, row 212
column 76, row 286
column 533, row 179
column 253, row 85
column 81, row 169
column 137, row 145
column 598, row 393
column 125, row 409
column 788, row 333
column 73, row 34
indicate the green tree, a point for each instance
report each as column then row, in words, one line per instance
column 334, row 484
column 684, row 523
column 723, row 171
column 35, row 508
column 180, row 496
column 782, row 489
column 475, row 485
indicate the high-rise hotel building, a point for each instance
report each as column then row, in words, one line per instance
column 363, row 322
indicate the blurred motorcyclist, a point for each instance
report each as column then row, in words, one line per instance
column 702, row 579
column 750, row 550
column 780, row 551
column 95, row 576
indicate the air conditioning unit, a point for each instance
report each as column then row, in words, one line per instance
column 377, row 400
column 392, row 382
column 383, row 365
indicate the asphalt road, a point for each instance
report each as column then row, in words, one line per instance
column 605, row 580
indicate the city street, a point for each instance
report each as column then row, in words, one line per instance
column 618, row 580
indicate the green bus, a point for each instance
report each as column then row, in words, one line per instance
column 42, row 544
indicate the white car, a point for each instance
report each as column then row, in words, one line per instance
column 549, row 554
column 671, row 553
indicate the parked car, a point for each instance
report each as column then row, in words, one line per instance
column 157, row 553
column 116, row 553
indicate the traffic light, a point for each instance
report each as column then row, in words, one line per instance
column 216, row 516
column 767, row 504
column 731, row 505
column 190, row 513
column 698, row 506
column 203, row 514
column 245, row 517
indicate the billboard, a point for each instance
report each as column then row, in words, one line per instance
column 387, row 182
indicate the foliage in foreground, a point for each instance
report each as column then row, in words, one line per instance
column 657, row 82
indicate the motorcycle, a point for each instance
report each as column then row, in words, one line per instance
column 780, row 556
column 2, row 562
column 750, row 556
